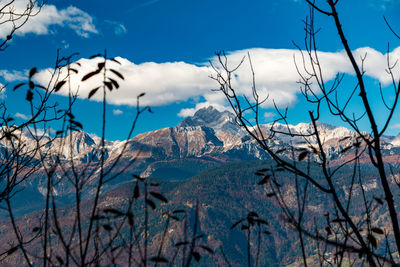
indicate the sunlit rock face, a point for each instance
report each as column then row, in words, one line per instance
column 212, row 118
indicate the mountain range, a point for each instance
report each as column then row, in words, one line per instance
column 206, row 158
column 208, row 133
column 207, row 139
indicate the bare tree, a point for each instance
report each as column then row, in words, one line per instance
column 347, row 230
column 90, row 230
column 12, row 18
column 100, row 233
column 16, row 158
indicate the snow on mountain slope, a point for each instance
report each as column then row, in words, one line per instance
column 182, row 141
column 212, row 118
column 396, row 141
column 208, row 132
column 209, row 137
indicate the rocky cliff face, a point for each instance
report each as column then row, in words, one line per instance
column 212, row 118
column 180, row 142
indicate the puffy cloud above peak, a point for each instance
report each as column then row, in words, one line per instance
column 45, row 20
column 163, row 83
column 276, row 77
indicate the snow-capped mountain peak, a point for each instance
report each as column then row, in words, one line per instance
column 212, row 118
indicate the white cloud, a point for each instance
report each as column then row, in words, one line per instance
column 269, row 115
column 276, row 74
column 376, row 64
column 48, row 17
column 21, row 116
column 13, row 75
column 117, row 112
column 118, row 27
column 171, row 82
column 163, row 83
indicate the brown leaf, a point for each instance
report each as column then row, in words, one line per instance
column 59, row 85
column 303, row 155
column 89, row 75
column 377, row 230
column 18, row 86
column 93, row 91
column 32, row 72
column 151, row 204
column 117, row 73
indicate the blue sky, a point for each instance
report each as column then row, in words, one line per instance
column 165, row 46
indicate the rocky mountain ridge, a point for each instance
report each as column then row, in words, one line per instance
column 209, row 133
column 209, row 138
